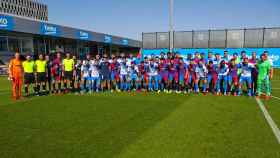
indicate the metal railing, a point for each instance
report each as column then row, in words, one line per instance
column 228, row 38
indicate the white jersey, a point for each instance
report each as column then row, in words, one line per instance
column 101, row 61
column 120, row 60
column 94, row 71
column 124, row 70
column 128, row 62
column 223, row 71
column 135, row 69
column 201, row 71
column 153, row 69
column 246, row 70
column 217, row 62
column 186, row 61
column 226, row 59
column 85, row 69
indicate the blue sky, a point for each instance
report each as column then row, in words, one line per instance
column 129, row 18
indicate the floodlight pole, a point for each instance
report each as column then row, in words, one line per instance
column 171, row 25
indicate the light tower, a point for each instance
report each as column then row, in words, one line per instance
column 171, row 25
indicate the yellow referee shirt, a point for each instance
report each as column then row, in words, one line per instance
column 68, row 64
column 41, row 65
column 28, row 66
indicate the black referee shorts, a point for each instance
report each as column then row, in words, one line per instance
column 29, row 78
column 68, row 75
column 41, row 77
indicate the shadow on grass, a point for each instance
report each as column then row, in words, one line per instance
column 89, row 127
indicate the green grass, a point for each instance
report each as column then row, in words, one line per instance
column 273, row 105
column 130, row 126
column 5, row 93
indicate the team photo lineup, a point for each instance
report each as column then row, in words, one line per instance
column 219, row 74
column 139, row 79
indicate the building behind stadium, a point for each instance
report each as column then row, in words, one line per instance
column 24, row 28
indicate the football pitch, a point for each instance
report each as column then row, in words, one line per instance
column 137, row 125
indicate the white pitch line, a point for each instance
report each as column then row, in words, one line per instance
column 275, row 97
column 269, row 120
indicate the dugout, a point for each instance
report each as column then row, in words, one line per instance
column 24, row 35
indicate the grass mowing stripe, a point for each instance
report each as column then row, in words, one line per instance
column 2, row 93
column 84, row 126
column 22, row 101
column 269, row 120
column 275, row 97
column 202, row 127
